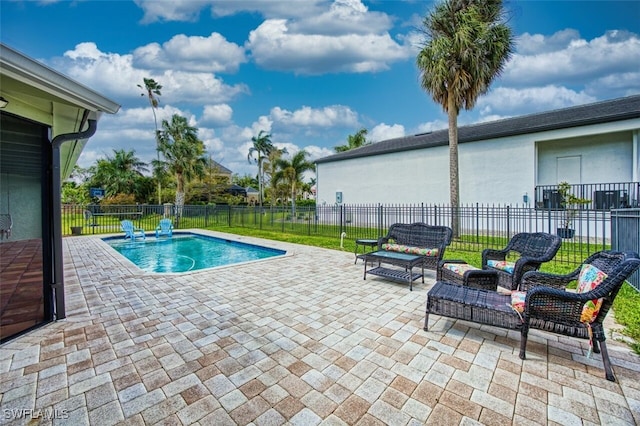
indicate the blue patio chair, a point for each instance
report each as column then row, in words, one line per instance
column 130, row 230
column 165, row 227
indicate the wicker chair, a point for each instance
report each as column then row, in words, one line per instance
column 420, row 234
column 533, row 249
column 550, row 308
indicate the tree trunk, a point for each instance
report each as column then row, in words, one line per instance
column 179, row 196
column 293, row 201
column 155, row 120
column 260, row 178
column 454, row 184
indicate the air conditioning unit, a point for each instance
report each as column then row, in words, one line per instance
column 610, row 199
column 551, row 199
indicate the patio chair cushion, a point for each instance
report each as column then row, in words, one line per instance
column 410, row 249
column 590, row 277
column 502, row 265
column 459, row 268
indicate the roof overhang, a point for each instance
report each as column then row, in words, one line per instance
column 38, row 93
column 16, row 66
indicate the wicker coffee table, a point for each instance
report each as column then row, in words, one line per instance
column 406, row 261
column 471, row 304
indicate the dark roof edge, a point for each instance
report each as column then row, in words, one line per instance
column 587, row 114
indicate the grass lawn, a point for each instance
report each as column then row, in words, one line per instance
column 626, row 306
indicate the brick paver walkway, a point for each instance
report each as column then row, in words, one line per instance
column 299, row 340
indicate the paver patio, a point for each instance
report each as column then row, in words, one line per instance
column 298, row 340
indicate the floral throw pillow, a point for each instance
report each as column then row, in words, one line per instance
column 590, row 277
column 517, row 300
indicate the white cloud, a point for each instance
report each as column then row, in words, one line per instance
column 432, row 126
column 564, row 58
column 201, row 54
column 213, row 144
column 87, row 64
column 512, row 101
column 273, row 46
column 533, row 44
column 271, row 8
column 330, row 116
column 316, row 152
column 301, row 36
column 615, row 85
column 217, row 114
column 383, row 132
column 174, row 10
column 189, row 11
column 343, row 17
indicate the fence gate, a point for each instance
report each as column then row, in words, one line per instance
column 625, row 235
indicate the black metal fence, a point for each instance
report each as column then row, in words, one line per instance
column 481, row 226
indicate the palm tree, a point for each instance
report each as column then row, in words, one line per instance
column 262, row 146
column 354, row 141
column 152, row 90
column 183, row 153
column 269, row 169
column 290, row 172
column 467, row 45
column 119, row 174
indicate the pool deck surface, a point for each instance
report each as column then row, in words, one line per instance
column 297, row 340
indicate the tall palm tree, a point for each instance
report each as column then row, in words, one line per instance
column 152, row 90
column 262, row 146
column 183, row 153
column 290, row 172
column 354, row 141
column 467, row 45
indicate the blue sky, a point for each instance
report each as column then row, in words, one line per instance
column 303, row 70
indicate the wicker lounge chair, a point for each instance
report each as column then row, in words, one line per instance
column 533, row 250
column 547, row 304
column 549, row 307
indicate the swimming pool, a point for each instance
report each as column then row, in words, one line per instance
column 188, row 252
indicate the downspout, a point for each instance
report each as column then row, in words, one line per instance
column 56, row 185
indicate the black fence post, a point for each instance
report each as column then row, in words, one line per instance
column 477, row 223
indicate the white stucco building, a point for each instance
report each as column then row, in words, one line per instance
column 499, row 162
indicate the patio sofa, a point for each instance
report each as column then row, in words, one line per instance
column 418, row 238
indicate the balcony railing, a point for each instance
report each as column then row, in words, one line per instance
column 603, row 196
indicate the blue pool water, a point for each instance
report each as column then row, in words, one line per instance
column 188, row 252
